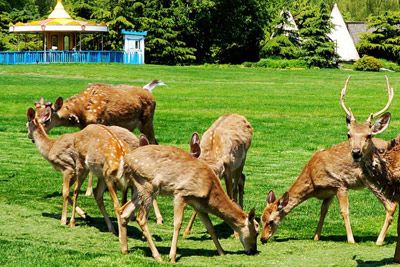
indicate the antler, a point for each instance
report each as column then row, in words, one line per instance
column 389, row 102
column 342, row 99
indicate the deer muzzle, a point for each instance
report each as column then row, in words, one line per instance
column 356, row 154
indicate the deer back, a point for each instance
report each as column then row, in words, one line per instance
column 227, row 140
column 101, row 150
column 170, row 170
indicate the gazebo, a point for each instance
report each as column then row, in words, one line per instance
column 61, row 38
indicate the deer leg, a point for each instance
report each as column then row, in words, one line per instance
column 157, row 212
column 78, row 210
column 122, row 226
column 78, row 185
column 89, row 190
column 228, row 183
column 210, row 228
column 390, row 210
column 344, row 210
column 98, row 194
column 67, row 177
column 324, row 210
column 397, row 251
column 241, row 183
column 142, row 221
column 179, row 206
column 190, row 224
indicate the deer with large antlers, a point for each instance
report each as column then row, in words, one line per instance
column 224, row 148
column 328, row 173
column 169, row 170
column 381, row 170
column 97, row 148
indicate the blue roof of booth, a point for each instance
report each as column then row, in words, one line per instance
column 134, row 33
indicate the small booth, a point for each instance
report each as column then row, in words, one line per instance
column 133, row 47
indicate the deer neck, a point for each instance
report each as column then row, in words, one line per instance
column 42, row 140
column 222, row 206
column 378, row 176
column 301, row 190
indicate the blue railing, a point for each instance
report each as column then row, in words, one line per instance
column 36, row 57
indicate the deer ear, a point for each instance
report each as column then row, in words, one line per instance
column 143, row 141
column 271, row 197
column 195, row 150
column 252, row 215
column 283, row 201
column 30, row 114
column 381, row 124
column 58, row 104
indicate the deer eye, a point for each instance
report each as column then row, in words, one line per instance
column 348, row 135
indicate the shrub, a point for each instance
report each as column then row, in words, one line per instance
column 390, row 65
column 368, row 63
column 280, row 46
column 277, row 63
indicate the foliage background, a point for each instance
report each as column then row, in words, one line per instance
column 191, row 31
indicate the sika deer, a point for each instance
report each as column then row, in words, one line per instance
column 224, row 148
column 169, row 170
column 331, row 172
column 121, row 105
column 381, row 170
column 97, row 149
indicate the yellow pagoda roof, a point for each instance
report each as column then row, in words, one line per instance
column 59, row 12
column 59, row 20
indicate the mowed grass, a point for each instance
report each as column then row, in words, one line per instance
column 293, row 113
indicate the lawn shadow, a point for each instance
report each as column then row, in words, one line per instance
column 382, row 262
column 59, row 194
column 340, row 238
column 54, row 194
column 186, row 252
column 222, row 230
column 98, row 222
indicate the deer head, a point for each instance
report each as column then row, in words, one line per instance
column 272, row 215
column 32, row 123
column 248, row 234
column 360, row 134
column 46, row 111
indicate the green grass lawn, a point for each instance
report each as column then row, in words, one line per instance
column 293, row 113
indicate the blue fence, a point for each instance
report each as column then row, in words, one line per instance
column 36, row 57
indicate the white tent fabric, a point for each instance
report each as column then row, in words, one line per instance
column 290, row 25
column 345, row 47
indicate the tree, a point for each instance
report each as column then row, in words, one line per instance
column 384, row 41
column 314, row 24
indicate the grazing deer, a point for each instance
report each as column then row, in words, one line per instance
column 328, row 173
column 224, row 147
column 121, row 105
column 96, row 148
column 381, row 170
column 169, row 170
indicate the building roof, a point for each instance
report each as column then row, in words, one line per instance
column 345, row 47
column 59, row 21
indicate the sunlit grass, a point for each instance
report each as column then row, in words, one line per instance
column 294, row 113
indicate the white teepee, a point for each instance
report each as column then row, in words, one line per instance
column 345, row 47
